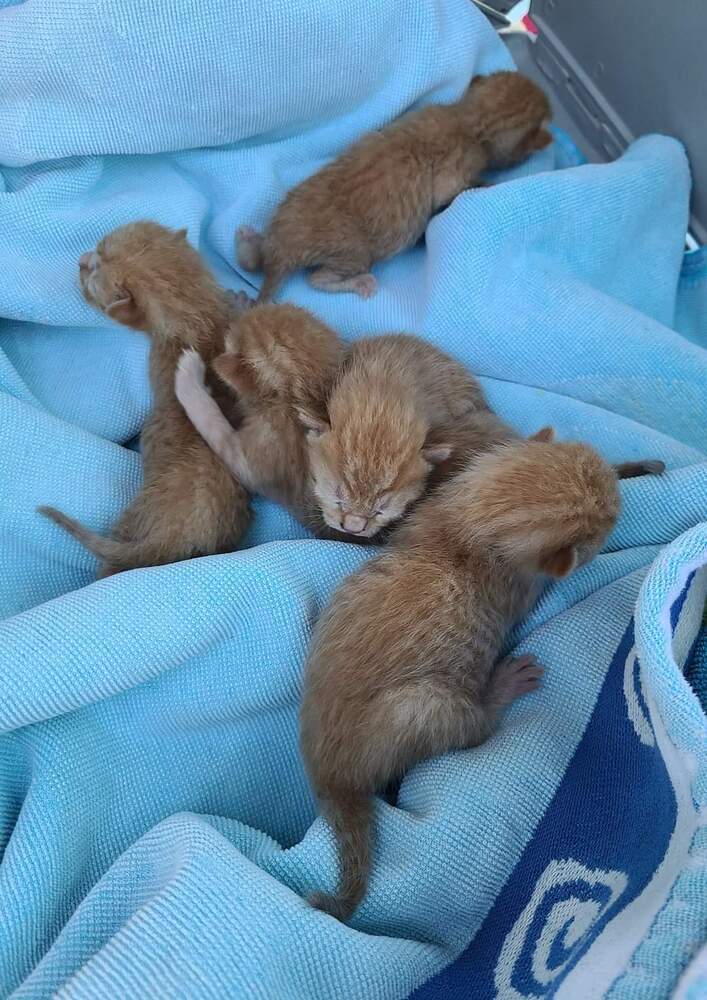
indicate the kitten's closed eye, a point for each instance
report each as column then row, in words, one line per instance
column 381, row 504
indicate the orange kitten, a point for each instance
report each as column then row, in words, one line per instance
column 347, row 451
column 401, row 666
column 281, row 362
column 348, row 443
column 390, row 416
column 149, row 278
column 377, row 198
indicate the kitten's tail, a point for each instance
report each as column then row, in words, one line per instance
column 350, row 818
column 256, row 252
column 648, row 467
column 114, row 554
column 274, row 273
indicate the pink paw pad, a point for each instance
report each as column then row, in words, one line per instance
column 366, row 286
column 517, row 676
column 249, row 247
column 239, row 301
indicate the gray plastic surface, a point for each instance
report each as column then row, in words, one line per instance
column 622, row 68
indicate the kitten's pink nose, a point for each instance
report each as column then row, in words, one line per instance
column 86, row 259
column 354, row 524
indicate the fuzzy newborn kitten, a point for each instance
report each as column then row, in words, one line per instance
column 376, row 198
column 149, row 278
column 346, row 444
column 281, row 363
column 401, row 666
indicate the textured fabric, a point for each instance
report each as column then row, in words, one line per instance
column 157, row 826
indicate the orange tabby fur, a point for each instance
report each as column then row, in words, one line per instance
column 281, row 362
column 149, row 278
column 376, row 198
column 401, row 663
column 349, row 450
column 392, row 417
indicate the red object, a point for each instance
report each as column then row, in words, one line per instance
column 529, row 24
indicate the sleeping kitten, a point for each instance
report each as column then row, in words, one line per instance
column 401, row 664
column 349, row 451
column 377, row 198
column 389, row 422
column 149, row 278
column 348, row 446
column 281, row 363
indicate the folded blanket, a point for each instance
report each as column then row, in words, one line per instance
column 157, row 827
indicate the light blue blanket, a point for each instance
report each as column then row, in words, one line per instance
column 157, row 827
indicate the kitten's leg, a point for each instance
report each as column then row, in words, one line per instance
column 249, row 248
column 206, row 416
column 239, row 301
column 328, row 280
column 630, row 470
column 421, row 720
column 511, row 679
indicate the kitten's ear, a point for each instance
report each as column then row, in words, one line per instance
column 544, row 434
column 538, row 140
column 230, row 369
column 225, row 366
column 559, row 563
column 121, row 298
column 315, row 425
column 181, row 234
column 435, row 454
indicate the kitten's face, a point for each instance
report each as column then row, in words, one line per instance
column 516, row 112
column 365, row 477
column 124, row 275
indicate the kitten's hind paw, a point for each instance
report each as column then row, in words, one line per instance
column 514, row 677
column 239, row 301
column 249, row 248
column 365, row 285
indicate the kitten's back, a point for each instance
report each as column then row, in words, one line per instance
column 286, row 354
column 441, row 386
column 373, row 199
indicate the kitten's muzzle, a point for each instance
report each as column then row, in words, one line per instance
column 354, row 524
column 87, row 261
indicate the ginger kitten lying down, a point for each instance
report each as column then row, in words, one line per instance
column 149, row 278
column 344, row 437
column 377, row 197
column 348, row 439
column 401, row 666
column 281, row 362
